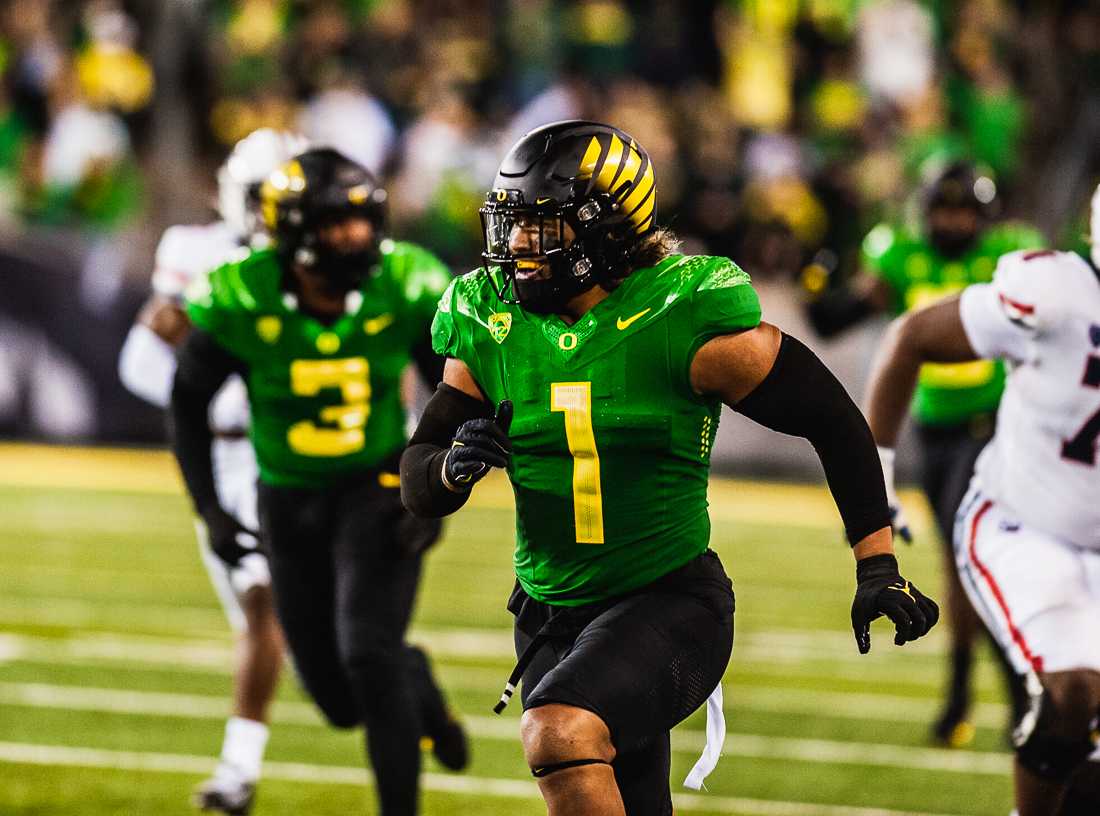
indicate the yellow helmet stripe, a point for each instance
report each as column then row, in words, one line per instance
column 628, row 169
column 644, row 213
column 591, row 158
column 641, row 190
column 610, row 165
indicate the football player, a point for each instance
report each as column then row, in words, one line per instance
column 591, row 360
column 146, row 367
column 1027, row 536
column 955, row 405
column 320, row 328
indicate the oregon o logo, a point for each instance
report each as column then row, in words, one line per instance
column 502, row 195
column 567, row 342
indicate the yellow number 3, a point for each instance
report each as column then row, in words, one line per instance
column 352, row 377
column 575, row 401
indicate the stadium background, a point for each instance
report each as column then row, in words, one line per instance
column 782, row 130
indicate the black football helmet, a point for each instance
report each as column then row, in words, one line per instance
column 569, row 202
column 314, row 189
column 957, row 185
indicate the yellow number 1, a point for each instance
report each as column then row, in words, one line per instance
column 575, row 401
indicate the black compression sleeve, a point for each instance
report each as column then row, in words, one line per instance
column 202, row 367
column 422, row 490
column 801, row 397
column 838, row 310
column 428, row 363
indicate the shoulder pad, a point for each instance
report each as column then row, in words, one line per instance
column 1025, row 282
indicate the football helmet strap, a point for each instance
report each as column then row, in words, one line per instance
column 252, row 160
column 569, row 202
column 316, row 188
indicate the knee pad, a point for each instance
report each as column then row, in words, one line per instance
column 1042, row 744
column 554, row 767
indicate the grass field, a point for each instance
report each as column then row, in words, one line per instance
column 115, row 664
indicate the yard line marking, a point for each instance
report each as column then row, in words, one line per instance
column 820, row 751
column 56, row 755
column 216, row 656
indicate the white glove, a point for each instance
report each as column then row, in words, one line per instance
column 897, row 514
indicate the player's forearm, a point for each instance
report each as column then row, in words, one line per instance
column 934, row 334
column 801, row 397
column 191, row 442
column 424, row 491
column 202, row 367
column 146, row 365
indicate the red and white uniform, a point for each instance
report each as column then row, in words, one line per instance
column 1027, row 537
column 147, row 366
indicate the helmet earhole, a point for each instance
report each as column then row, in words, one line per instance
column 582, row 267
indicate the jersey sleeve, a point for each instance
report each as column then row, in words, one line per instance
column 171, row 267
column 724, row 302
column 1002, row 318
column 446, row 338
column 424, row 278
column 209, row 303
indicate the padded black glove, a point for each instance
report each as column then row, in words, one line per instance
column 478, row 445
column 880, row 590
column 229, row 539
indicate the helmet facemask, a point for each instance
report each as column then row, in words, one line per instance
column 549, row 253
column 342, row 267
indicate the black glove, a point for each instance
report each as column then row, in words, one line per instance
column 880, row 590
column 228, row 538
column 479, row 444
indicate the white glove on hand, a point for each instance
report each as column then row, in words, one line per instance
column 897, row 514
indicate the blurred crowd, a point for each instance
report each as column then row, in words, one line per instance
column 781, row 130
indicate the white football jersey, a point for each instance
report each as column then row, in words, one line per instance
column 189, row 250
column 184, row 253
column 1041, row 314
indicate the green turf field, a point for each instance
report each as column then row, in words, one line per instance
column 115, row 661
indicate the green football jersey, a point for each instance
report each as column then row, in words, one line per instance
column 919, row 276
column 325, row 400
column 611, row 444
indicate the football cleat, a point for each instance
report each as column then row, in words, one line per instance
column 221, row 794
column 953, row 730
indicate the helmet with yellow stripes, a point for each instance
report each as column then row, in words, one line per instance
column 571, row 199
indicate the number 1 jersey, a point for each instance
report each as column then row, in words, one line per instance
column 326, row 399
column 611, row 444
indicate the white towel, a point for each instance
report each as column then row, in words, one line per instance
column 716, row 737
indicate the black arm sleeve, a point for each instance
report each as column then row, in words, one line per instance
column 837, row 310
column 428, row 363
column 801, row 397
column 422, row 490
column 202, row 367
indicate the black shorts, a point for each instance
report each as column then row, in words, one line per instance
column 642, row 662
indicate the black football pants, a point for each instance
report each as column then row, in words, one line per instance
column 344, row 590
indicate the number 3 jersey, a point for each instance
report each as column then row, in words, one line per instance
column 611, row 444
column 326, row 399
column 1041, row 313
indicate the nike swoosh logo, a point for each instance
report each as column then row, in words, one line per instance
column 622, row 324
